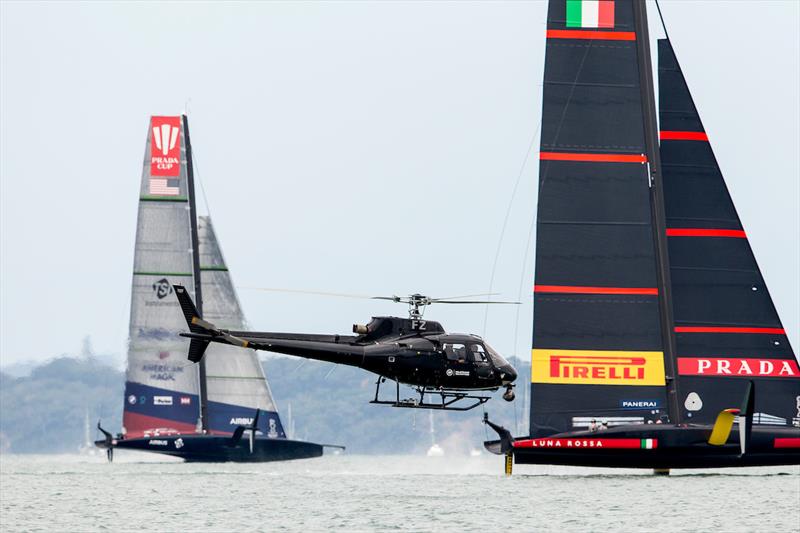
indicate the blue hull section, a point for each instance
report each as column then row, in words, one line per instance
column 217, row 449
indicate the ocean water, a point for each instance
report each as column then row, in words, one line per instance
column 141, row 492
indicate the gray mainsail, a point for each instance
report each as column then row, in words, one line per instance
column 161, row 388
column 236, row 385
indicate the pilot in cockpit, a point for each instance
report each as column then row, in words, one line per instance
column 455, row 352
column 461, row 352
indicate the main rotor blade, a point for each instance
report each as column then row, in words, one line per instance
column 477, row 302
column 317, row 293
column 393, row 298
column 465, row 296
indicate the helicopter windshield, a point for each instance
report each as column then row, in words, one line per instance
column 497, row 359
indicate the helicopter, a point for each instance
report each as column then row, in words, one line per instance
column 447, row 371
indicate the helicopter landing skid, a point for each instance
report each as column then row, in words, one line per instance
column 448, row 398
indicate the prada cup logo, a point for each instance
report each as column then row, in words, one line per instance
column 165, row 137
column 165, row 150
column 162, row 288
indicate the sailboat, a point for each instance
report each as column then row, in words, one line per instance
column 222, row 409
column 87, row 447
column 435, row 450
column 655, row 341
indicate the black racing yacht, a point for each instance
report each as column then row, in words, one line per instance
column 655, row 341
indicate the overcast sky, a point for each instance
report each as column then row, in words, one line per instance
column 355, row 147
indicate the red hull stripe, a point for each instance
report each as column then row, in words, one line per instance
column 682, row 136
column 595, row 290
column 709, row 329
column 582, row 443
column 787, row 442
column 593, row 158
column 136, row 424
column 592, row 35
column 699, row 232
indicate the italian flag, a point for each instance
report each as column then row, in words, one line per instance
column 648, row 444
column 590, row 14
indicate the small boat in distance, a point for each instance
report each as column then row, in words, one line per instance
column 221, row 409
column 654, row 333
column 435, row 450
column 87, row 448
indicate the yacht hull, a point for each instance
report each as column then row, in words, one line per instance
column 218, row 449
column 654, row 447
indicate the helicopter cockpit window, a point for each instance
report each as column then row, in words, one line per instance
column 496, row 358
column 477, row 353
column 455, row 352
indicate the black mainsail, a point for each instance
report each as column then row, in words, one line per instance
column 653, row 330
column 597, row 336
column 727, row 329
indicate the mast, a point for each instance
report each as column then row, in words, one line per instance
column 657, row 205
column 198, row 295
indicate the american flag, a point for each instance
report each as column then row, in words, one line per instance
column 165, row 186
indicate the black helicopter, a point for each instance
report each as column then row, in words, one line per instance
column 412, row 351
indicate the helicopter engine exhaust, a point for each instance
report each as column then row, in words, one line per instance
column 360, row 329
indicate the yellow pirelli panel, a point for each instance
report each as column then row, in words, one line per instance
column 597, row 367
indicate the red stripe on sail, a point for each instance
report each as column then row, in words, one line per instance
column 595, row 290
column 597, row 158
column 787, row 442
column 592, row 35
column 715, row 329
column 700, row 232
column 682, row 136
